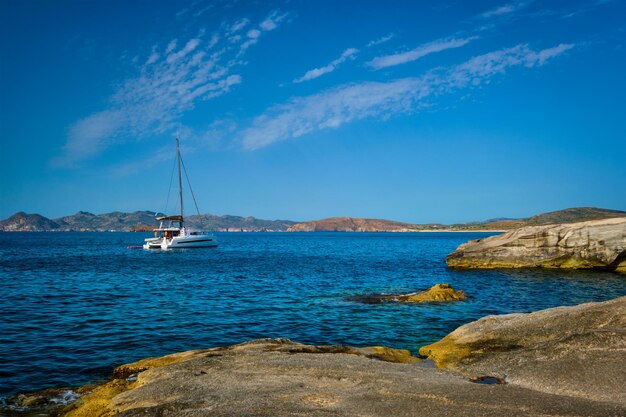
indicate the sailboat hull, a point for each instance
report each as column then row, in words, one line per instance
column 206, row 241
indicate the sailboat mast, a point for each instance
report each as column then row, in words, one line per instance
column 180, row 182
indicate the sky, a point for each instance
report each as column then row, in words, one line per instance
column 446, row 111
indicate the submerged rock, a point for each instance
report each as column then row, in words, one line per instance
column 575, row 351
column 437, row 293
column 598, row 244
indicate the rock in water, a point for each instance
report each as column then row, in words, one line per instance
column 598, row 244
column 437, row 293
column 576, row 351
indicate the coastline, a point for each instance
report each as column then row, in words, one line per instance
column 479, row 370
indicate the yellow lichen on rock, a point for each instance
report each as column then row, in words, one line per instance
column 445, row 352
column 437, row 293
column 387, row 354
column 98, row 402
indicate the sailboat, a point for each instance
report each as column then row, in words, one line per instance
column 172, row 233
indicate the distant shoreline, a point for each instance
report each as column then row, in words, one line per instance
column 265, row 231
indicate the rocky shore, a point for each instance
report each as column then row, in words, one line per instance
column 598, row 244
column 561, row 361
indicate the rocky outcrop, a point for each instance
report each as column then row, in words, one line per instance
column 277, row 377
column 576, row 351
column 598, row 244
column 436, row 294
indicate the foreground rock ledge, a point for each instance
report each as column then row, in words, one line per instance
column 598, row 244
column 576, row 351
column 582, row 348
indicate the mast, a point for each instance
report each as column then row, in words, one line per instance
column 180, row 182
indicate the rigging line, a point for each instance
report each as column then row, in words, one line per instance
column 169, row 190
column 189, row 183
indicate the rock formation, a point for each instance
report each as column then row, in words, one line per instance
column 277, row 377
column 576, row 351
column 437, row 293
column 598, row 244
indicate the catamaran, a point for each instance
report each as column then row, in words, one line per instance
column 172, row 233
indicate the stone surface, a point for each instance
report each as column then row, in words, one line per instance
column 598, row 244
column 277, row 377
column 576, row 351
column 437, row 293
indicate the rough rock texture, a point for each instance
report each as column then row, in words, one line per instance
column 577, row 351
column 437, row 293
column 598, row 244
column 276, row 377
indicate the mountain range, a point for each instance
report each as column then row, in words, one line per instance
column 145, row 221
column 135, row 221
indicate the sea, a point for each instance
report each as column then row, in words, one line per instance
column 75, row 305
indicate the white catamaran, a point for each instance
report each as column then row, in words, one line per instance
column 172, row 233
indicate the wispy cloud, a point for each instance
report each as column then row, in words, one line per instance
column 273, row 20
column 341, row 105
column 171, row 82
column 506, row 9
column 380, row 40
column 349, row 53
column 417, row 53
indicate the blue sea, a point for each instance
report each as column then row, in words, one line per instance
column 75, row 305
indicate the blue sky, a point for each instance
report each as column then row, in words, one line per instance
column 414, row 111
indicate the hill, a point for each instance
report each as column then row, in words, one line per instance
column 353, row 224
column 24, row 222
column 576, row 214
column 229, row 223
column 117, row 221
column 136, row 221
column 145, row 221
column 570, row 215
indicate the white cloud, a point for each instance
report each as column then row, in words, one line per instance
column 169, row 83
column 506, row 9
column 171, row 46
column 154, row 57
column 349, row 53
column 254, row 33
column 337, row 106
column 380, row 40
column 88, row 136
column 417, row 53
column 272, row 21
column 190, row 46
column 238, row 25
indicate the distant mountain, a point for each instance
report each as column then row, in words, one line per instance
column 23, row 222
column 353, row 224
column 229, row 223
column 137, row 221
column 116, row 221
column 576, row 214
column 145, row 221
column 570, row 215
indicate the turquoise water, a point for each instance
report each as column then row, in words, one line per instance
column 75, row 305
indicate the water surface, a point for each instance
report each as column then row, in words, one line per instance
column 74, row 305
